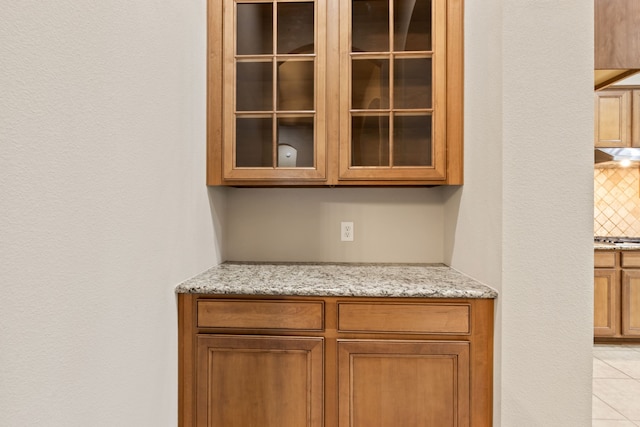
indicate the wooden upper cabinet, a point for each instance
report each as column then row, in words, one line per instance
column 617, row 40
column 392, row 114
column 617, row 118
column 613, row 118
column 272, row 71
column 617, row 34
column 332, row 92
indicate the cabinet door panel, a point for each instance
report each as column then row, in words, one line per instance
column 273, row 90
column 612, row 125
column 259, row 381
column 631, row 303
column 403, row 383
column 605, row 299
column 393, row 101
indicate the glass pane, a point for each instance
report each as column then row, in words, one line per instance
column 295, row 28
column 370, row 84
column 295, row 85
column 255, row 24
column 412, row 83
column 370, row 26
column 254, row 142
column 412, row 25
column 412, row 141
column 254, row 86
column 295, row 142
column 370, row 141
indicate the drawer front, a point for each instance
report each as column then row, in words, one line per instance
column 294, row 315
column 604, row 259
column 408, row 318
column 630, row 259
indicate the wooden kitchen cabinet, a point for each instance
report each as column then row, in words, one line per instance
column 630, row 307
column 606, row 302
column 617, row 40
column 330, row 92
column 265, row 381
column 617, row 118
column 334, row 361
column 403, row 383
column 617, row 295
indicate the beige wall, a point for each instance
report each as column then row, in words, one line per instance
column 545, row 310
column 391, row 225
column 104, row 208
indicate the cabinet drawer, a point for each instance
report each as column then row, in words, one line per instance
column 630, row 259
column 409, row 318
column 296, row 315
column 604, row 259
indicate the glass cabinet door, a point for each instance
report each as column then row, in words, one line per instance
column 274, row 77
column 393, row 89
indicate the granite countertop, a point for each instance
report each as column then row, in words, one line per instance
column 616, row 246
column 319, row 279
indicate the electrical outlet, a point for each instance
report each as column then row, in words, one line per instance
column 346, row 231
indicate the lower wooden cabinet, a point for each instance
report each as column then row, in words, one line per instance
column 333, row 362
column 403, row 383
column 606, row 302
column 631, row 302
column 262, row 381
column 617, row 295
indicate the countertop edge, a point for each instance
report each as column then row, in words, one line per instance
column 336, row 280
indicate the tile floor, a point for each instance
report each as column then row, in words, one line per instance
column 616, row 385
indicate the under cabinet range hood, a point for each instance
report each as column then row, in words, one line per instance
column 617, row 157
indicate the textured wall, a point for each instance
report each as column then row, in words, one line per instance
column 391, row 224
column 101, row 169
column 546, row 305
column 103, row 206
column 522, row 222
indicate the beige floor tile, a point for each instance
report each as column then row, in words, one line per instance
column 623, row 395
column 627, row 362
column 602, row 411
column 604, row 370
column 612, row 423
column 599, row 348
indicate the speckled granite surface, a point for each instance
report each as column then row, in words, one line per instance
column 365, row 280
column 616, row 246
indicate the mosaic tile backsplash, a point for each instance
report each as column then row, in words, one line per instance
column 617, row 202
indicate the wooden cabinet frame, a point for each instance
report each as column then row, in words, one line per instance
column 469, row 349
column 331, row 168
